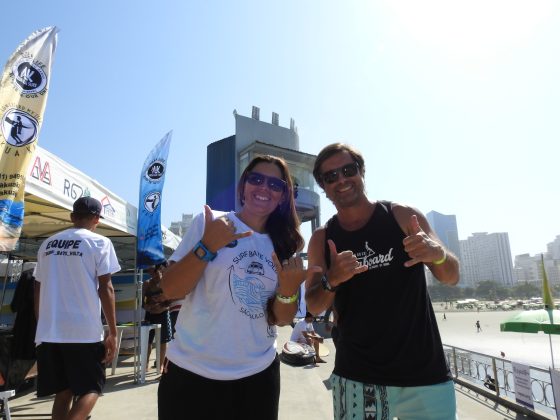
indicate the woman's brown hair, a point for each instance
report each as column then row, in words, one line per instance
column 282, row 224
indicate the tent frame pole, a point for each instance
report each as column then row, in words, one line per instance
column 4, row 285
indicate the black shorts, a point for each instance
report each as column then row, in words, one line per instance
column 74, row 366
column 165, row 320
column 183, row 394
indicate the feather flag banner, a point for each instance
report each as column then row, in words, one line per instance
column 24, row 88
column 149, row 249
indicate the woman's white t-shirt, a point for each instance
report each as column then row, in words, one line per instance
column 222, row 330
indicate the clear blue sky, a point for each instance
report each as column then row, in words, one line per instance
column 455, row 105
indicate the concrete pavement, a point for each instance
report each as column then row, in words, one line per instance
column 304, row 395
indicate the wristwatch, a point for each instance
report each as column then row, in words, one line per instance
column 203, row 253
column 326, row 285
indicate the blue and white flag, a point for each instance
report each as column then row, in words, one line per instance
column 149, row 248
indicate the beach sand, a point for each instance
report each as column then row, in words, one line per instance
column 459, row 330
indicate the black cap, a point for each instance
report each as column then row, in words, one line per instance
column 87, row 205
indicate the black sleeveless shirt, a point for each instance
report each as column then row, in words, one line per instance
column 388, row 333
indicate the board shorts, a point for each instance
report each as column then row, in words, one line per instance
column 356, row 400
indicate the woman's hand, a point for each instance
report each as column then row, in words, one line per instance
column 219, row 232
column 291, row 274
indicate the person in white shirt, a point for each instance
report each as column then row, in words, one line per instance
column 304, row 333
column 73, row 284
column 239, row 278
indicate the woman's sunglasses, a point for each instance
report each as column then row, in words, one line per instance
column 275, row 184
column 350, row 170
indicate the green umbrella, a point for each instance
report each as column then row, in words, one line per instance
column 546, row 320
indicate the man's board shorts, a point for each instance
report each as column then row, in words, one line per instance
column 356, row 400
column 164, row 319
column 74, row 366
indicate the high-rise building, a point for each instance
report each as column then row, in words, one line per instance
column 553, row 248
column 228, row 157
column 445, row 227
column 486, row 257
column 528, row 269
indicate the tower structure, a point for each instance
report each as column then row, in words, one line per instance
column 228, row 157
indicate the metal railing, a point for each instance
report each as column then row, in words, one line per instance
column 470, row 367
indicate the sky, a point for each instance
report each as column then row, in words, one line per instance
column 454, row 104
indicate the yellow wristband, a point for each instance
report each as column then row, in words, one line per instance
column 442, row 259
column 287, row 299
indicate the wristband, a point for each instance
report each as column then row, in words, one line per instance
column 442, row 259
column 326, row 285
column 287, row 299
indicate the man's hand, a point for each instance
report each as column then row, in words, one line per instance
column 344, row 265
column 313, row 336
column 110, row 348
column 419, row 246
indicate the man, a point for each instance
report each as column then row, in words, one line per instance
column 304, row 333
column 389, row 359
column 73, row 276
column 156, row 306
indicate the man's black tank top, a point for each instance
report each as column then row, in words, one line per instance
column 388, row 333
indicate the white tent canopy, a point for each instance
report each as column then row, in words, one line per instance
column 52, row 186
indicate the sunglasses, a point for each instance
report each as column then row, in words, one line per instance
column 348, row 171
column 274, row 184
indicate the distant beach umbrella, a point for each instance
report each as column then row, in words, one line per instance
column 546, row 320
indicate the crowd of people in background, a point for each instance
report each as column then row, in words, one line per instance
column 234, row 278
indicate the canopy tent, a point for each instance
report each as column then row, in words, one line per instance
column 52, row 186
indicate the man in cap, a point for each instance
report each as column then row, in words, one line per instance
column 389, row 356
column 73, row 285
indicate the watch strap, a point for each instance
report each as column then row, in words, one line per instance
column 326, row 285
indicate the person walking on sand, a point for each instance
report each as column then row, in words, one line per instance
column 478, row 329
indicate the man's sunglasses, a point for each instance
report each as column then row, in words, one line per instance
column 275, row 184
column 350, row 170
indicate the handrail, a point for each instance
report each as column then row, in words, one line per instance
column 471, row 367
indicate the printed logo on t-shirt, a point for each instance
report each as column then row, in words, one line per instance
column 374, row 259
column 250, row 286
column 63, row 247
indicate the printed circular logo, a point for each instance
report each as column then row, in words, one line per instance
column 28, row 77
column 19, row 128
column 151, row 201
column 155, row 171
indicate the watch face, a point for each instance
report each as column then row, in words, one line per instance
column 200, row 253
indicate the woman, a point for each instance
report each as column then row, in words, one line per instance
column 240, row 279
